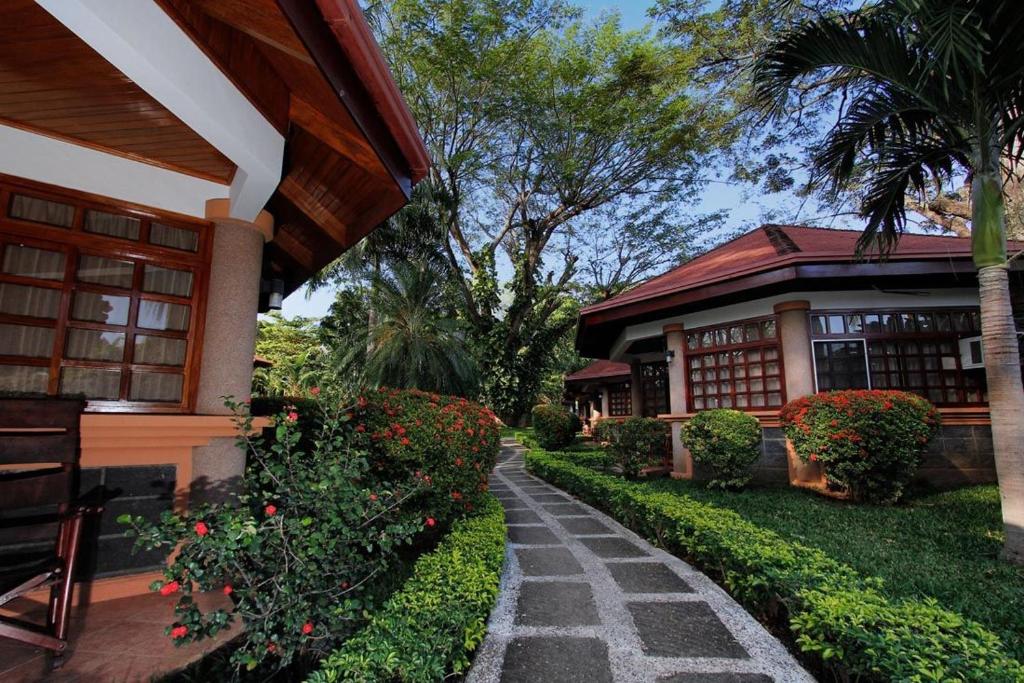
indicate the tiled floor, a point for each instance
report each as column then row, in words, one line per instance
column 584, row 599
column 118, row 641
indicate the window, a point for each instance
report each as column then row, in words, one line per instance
column 908, row 350
column 735, row 366
column 620, row 402
column 88, row 308
column 654, row 388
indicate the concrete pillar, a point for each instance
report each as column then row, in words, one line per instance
column 606, row 402
column 636, row 386
column 229, row 341
column 797, row 359
column 675, row 343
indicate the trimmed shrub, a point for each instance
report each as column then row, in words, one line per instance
column 554, row 426
column 869, row 443
column 634, row 442
column 427, row 630
column 835, row 614
column 728, row 441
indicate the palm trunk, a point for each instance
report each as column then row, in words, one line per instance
column 1002, row 357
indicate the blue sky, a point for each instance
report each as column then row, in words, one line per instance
column 744, row 208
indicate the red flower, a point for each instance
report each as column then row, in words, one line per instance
column 405, row 441
column 360, row 428
column 373, row 496
column 813, row 457
column 362, row 401
column 431, row 521
column 458, row 462
column 271, row 648
column 170, row 587
column 315, row 391
column 344, row 585
column 271, row 510
column 228, row 590
column 179, row 632
column 202, row 529
column 307, row 628
column 456, row 495
column 293, row 416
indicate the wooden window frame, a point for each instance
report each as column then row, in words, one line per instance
column 73, row 242
column 620, row 394
column 650, row 373
column 760, row 344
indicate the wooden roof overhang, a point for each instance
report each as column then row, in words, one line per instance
column 600, row 326
column 311, row 68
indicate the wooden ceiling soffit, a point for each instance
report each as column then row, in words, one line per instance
column 261, row 20
column 298, row 251
column 302, row 200
column 323, row 47
column 340, row 139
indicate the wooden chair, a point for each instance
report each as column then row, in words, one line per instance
column 39, row 455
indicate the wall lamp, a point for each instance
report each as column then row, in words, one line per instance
column 669, row 356
column 274, row 289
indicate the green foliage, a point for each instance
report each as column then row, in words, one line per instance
column 729, row 441
column 299, row 359
column 836, row 614
column 554, row 426
column 635, row 442
column 869, row 443
column 428, row 629
column 325, row 510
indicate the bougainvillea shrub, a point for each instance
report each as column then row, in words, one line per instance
column 728, row 441
column 869, row 443
column 554, row 426
column 328, row 506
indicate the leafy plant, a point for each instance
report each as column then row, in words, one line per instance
column 634, row 442
column 554, row 426
column 869, row 443
column 427, row 630
column 728, row 441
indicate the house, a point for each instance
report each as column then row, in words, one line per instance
column 785, row 311
column 169, row 169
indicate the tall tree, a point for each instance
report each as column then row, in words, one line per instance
column 298, row 357
column 536, row 123
column 927, row 89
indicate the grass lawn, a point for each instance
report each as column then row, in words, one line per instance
column 943, row 546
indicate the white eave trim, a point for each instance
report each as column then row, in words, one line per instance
column 141, row 41
column 49, row 160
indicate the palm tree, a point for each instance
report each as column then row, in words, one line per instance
column 930, row 89
column 414, row 342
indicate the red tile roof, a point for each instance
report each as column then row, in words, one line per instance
column 773, row 246
column 599, row 369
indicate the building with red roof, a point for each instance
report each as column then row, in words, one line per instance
column 785, row 311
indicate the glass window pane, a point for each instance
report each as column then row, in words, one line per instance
column 773, row 384
column 907, row 322
column 774, row 400
column 100, row 308
column 961, row 321
column 159, row 350
column 94, row 345
column 757, row 400
column 768, row 329
column 836, row 324
column 753, row 332
column 175, row 238
column 105, row 271
column 742, row 401
column 167, row 281
column 35, row 302
column 42, row 211
column 753, row 356
column 95, row 383
column 707, row 340
column 30, row 262
column 156, row 315
column 736, row 335
column 25, row 379
column 103, row 223
column 692, row 342
column 872, row 323
column 26, row 340
column 163, row 387
column 854, row 324
column 818, row 325
column 942, row 322
column 924, row 322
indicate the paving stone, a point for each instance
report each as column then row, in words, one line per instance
column 556, row 660
column 647, row 577
column 523, row 516
column 584, row 526
column 556, row 603
column 683, row 629
column 547, row 562
column 532, row 535
column 565, row 509
column 716, row 678
column 549, row 498
column 612, row 546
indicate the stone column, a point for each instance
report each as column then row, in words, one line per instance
column 798, row 363
column 606, row 403
column 229, row 341
column 675, row 342
column 636, row 389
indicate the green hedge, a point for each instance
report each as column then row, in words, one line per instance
column 834, row 613
column 429, row 628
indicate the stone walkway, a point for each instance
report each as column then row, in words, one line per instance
column 585, row 600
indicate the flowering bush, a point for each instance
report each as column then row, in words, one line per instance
column 554, row 426
column 869, row 443
column 729, row 441
column 634, row 442
column 327, row 504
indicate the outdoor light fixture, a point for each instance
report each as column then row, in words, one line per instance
column 669, row 355
column 274, row 290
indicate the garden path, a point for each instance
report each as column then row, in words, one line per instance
column 583, row 599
